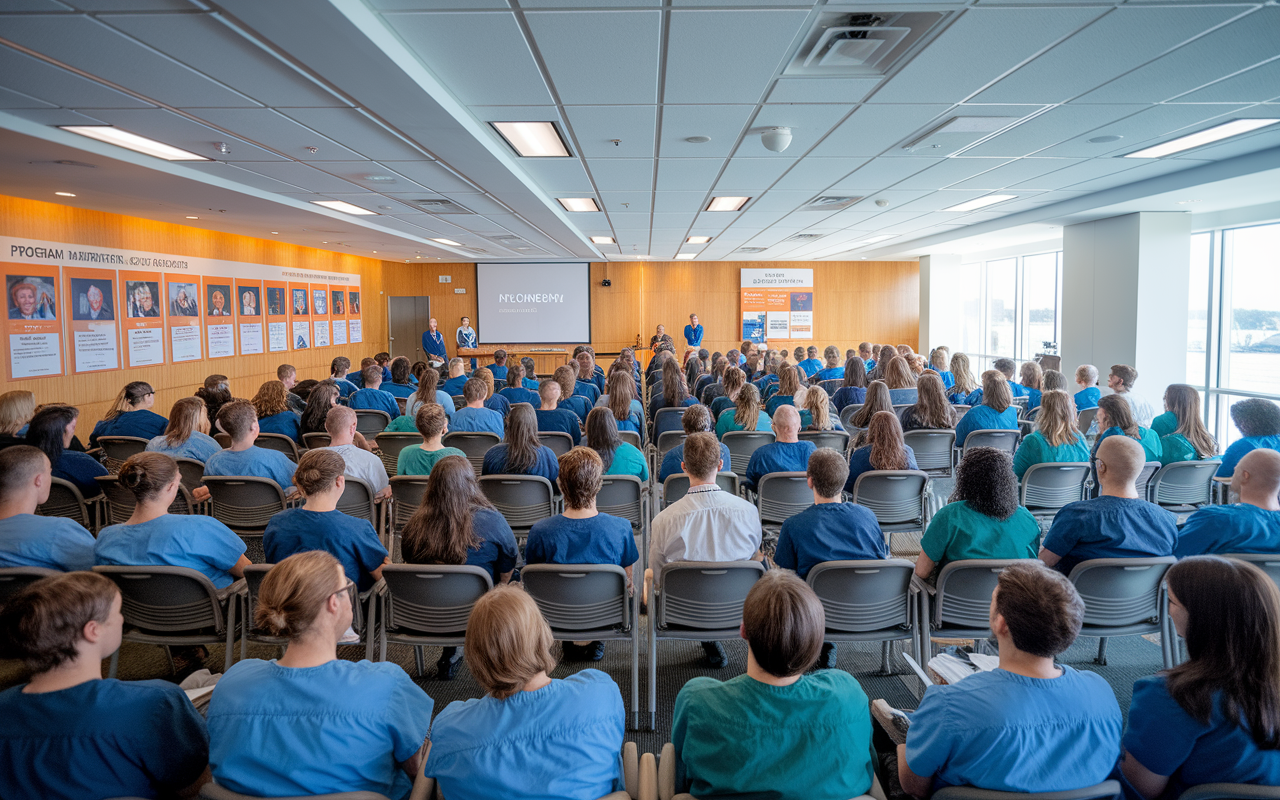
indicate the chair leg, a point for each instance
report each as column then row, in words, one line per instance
column 418, row 660
column 1101, row 660
column 884, row 657
column 653, row 666
column 115, row 664
column 231, row 635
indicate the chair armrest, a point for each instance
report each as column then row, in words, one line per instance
column 240, row 587
column 920, row 585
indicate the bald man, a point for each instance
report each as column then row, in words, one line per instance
column 1249, row 526
column 785, row 454
column 340, row 424
column 1115, row 524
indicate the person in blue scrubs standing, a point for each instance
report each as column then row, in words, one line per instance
column 433, row 345
column 693, row 332
column 1215, row 718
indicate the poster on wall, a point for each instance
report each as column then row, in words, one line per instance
column 35, row 341
column 338, row 310
column 355, row 332
column 277, row 315
column 249, row 306
column 299, row 316
column 320, row 314
column 94, row 339
column 183, row 294
column 219, row 316
column 143, row 318
column 776, row 304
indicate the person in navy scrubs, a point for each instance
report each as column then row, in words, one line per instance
column 433, row 344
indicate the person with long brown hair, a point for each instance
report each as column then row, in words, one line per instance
column 131, row 415
column 620, row 400
column 815, row 411
column 853, row 389
column 322, row 398
column 790, row 382
column 900, row 380
column 1115, row 418
column 1183, row 435
column 996, row 412
column 428, row 391
column 734, row 379
column 580, row 405
column 521, row 452
column 617, row 456
column 887, row 353
column 745, row 415
column 187, row 434
column 675, row 392
column 876, row 400
column 274, row 415
column 1215, row 718
column 514, row 391
column 931, row 410
column 1056, row 439
column 965, row 383
column 589, row 384
column 885, row 449
column 1032, row 377
column 456, row 524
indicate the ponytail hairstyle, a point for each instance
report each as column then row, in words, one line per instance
column 147, row 474
column 294, row 592
column 130, row 396
column 318, row 471
column 187, row 416
column 1120, row 415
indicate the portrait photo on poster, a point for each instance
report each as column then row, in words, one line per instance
column 300, row 302
column 339, row 307
column 217, row 299
column 142, row 296
column 320, row 302
column 91, row 299
column 31, row 297
column 182, row 300
column 249, row 302
column 353, row 302
column 275, row 300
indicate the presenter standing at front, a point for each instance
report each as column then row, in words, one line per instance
column 466, row 337
column 433, row 345
column 693, row 332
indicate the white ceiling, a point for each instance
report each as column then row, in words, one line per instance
column 395, row 97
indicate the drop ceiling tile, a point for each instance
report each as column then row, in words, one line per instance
column 673, row 219
column 37, row 78
column 600, row 58
column 594, row 128
column 1259, row 84
column 1078, row 173
column 562, row 177
column 726, row 56
column 631, row 221
column 361, row 172
column 1154, row 124
column 622, row 174
column 1014, row 172
column 302, row 175
column 18, row 6
column 482, row 58
column 133, row 5
column 237, row 174
column 1053, row 126
column 722, row 123
column 808, row 123
column 175, row 129
column 1118, row 42
column 750, row 176
column 949, row 171
column 937, row 201
column 750, row 218
column 679, row 202
column 430, row 174
column 276, row 131
column 845, row 91
column 782, row 202
column 881, row 173
column 815, row 174
column 688, row 174
column 53, row 116
column 10, row 99
column 357, row 131
column 872, row 129
column 627, row 202
column 979, row 47
column 479, row 203
column 1139, row 173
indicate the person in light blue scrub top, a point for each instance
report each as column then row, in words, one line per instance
column 27, row 540
column 1089, row 393
column 187, row 435
column 996, row 411
column 530, row 736
column 310, row 723
column 474, row 417
column 1250, row 526
column 1258, row 421
column 1028, row 726
column 1212, row 718
column 240, row 422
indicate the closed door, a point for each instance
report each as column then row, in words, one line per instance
column 406, row 320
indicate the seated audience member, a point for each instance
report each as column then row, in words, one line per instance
column 1115, row 418
column 627, row 412
column 243, row 457
column 521, row 452
column 586, row 384
column 187, row 434
column 1030, row 726
column 618, row 457
column 515, row 391
column 1089, row 394
column 789, row 383
column 786, row 453
column 338, row 369
column 456, row 380
column 938, row 363
column 1054, row 381
column 866, row 351
column 70, row 733
column 809, row 363
column 1006, row 367
column 566, row 376
column 1215, row 718
column 357, row 377
column 885, row 449
column 1121, row 382
column 456, row 524
column 323, row 397
column 815, row 411
column 996, row 411
column 830, row 369
column 1258, row 421
column 696, row 420
column 582, row 535
column 877, row 400
column 319, row 525
column 131, row 415
column 383, row 360
column 886, row 354
column 734, row 380
column 303, row 389
column 498, row 369
column 474, row 417
column 757, row 735
column 274, row 415
column 28, row 540
column 1032, row 379
column 853, row 390
column 215, row 393
column 552, row 419
column 286, row 374
column 530, row 381
column 16, row 410
column 429, row 392
column 562, row 736
column 1183, row 435
column 372, row 397
column 53, row 429
column 745, row 415
column 360, row 463
column 901, row 382
column 265, row 737
column 693, row 370
column 965, row 383
column 154, row 537
column 982, row 518
column 707, row 524
column 675, row 392
column 1116, row 523
column 400, row 384
column 1055, row 440
column 420, row 459
column 1251, row 525
column 931, row 411
column 492, row 401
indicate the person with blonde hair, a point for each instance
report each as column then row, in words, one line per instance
column 274, row 415
column 931, row 410
column 1032, row 379
column 996, row 411
column 1089, row 394
column 885, row 449
column 938, row 363
column 187, row 434
column 16, row 410
column 131, row 415
column 567, row 376
column 492, row 401
column 562, row 736
column 746, row 414
column 627, row 411
column 965, row 383
column 1183, row 436
column 790, row 383
column 815, row 412
column 309, row 722
column 1056, row 439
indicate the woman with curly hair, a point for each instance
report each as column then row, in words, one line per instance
column 854, row 388
column 982, row 518
column 274, row 415
column 885, row 449
column 1183, row 436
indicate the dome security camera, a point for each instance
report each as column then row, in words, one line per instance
column 776, row 139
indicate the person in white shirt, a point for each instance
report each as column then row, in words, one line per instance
column 707, row 524
column 1121, row 382
column 340, row 423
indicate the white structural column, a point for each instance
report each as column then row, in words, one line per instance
column 934, row 309
column 1124, row 298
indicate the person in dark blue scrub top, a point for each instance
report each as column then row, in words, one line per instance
column 274, row 415
column 514, row 391
column 52, row 430
column 521, row 452
column 1215, row 718
column 433, row 345
column 693, row 332
column 785, row 454
column 131, row 415
column 27, row 540
column 70, row 733
column 556, row 420
column 371, row 396
column 1250, row 526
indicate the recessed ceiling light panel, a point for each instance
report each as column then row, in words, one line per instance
column 882, row 237
column 346, row 208
column 132, row 141
column 602, row 240
column 1215, row 134
column 579, row 203
column 697, row 240
column 64, row 194
column 981, row 202
column 449, row 242
column 686, row 256
column 727, row 203
column 533, row 139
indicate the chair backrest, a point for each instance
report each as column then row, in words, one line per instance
column 668, row 441
column 357, row 500
column 579, row 597
column 742, row 444
column 521, row 499
column 1230, row 791
column 667, row 419
column 1183, row 483
column 830, row 386
column 314, row 441
column 433, row 599
column 390, row 445
column 278, row 442
column 1267, row 562
column 864, row 596
column 1143, row 482
column 120, row 501
column 899, row 408
column 999, row 439
column 406, row 494
column 782, row 495
column 402, row 403
column 836, row 440
column 705, row 595
column 622, row 496
column 1050, row 486
column 475, row 445
column 846, row 414
column 371, row 422
column 932, row 447
column 1120, row 591
column 677, row 486
column 192, row 473
column 65, row 500
column 223, row 439
column 964, row 590
column 632, row 438
column 1107, row 790
column 559, row 441
column 1085, row 419
column 960, row 410
column 244, row 503
column 166, row 599
column 895, row 496
column 15, row 579
column 459, row 401
column 119, row 448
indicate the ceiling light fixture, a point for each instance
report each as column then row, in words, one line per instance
column 879, row 238
column 132, row 141
column 727, row 203
column 981, row 202
column 579, row 203
column 277, row 233
column 533, row 139
column 449, row 242
column 602, row 240
column 1217, row 133
column 64, row 194
column 193, row 218
column 684, row 256
column 697, row 240
column 345, row 207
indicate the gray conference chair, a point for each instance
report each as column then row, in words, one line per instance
column 782, row 495
column 314, row 441
column 1230, row 791
column 895, row 496
column 742, row 444
column 1085, row 419
column 121, row 502
column 847, row 413
column 65, row 500
column 1267, row 562
column 559, row 441
column 15, row 579
column 869, row 601
column 632, row 438
column 627, row 497
column 521, row 499
column 390, row 445
column 253, row 575
column 359, row 500
column 830, row 386
column 1046, row 488
column 245, row 503
column 278, row 442
column 1183, row 486
column 475, row 445
column 960, row 607
column 406, row 496
column 427, row 605
column 1143, row 482
column 999, row 439
column 1123, row 597
column 1107, row 790
column 666, row 442
column 371, row 422
column 933, row 449
column 833, row 439
column 118, row 449
column 677, row 486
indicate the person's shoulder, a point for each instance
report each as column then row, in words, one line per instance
column 696, row 688
column 838, row 683
column 1152, row 691
column 610, row 521
column 1022, row 516
column 137, row 696
column 591, row 682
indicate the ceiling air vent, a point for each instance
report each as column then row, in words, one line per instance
column 752, row 249
column 803, row 237
column 439, row 206
column 829, row 203
column 956, row 134
column 862, row 44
